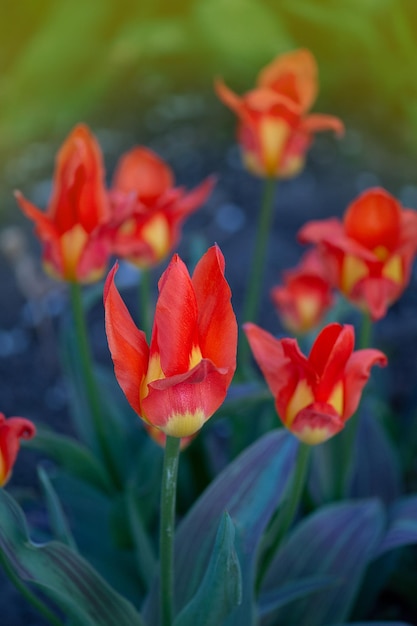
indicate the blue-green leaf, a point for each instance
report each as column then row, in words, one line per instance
column 337, row 541
column 61, row 574
column 402, row 525
column 221, row 588
column 249, row 489
column 273, row 600
column 57, row 519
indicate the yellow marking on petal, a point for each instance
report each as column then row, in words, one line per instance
column 184, row 424
column 73, row 243
column 154, row 373
column 293, row 166
column 393, row 269
column 128, row 227
column 313, row 436
column 156, row 233
column 381, row 252
column 353, row 270
column 308, row 308
column 337, row 398
column 302, row 397
column 251, row 163
column 273, row 134
column 195, row 357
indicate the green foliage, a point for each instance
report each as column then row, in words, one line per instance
column 63, row 575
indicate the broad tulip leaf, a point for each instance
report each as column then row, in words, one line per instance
column 375, row 470
column 221, row 588
column 72, row 456
column 270, row 602
column 402, row 525
column 249, row 489
column 61, row 574
column 337, row 541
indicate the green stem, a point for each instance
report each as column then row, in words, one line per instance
column 28, row 595
column 253, row 293
column 282, row 521
column 89, row 380
column 167, row 528
column 145, row 302
column 365, row 334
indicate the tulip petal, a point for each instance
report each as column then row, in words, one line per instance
column 44, row 226
column 317, row 423
column 175, row 327
column 193, row 199
column 329, row 355
column 278, row 362
column 228, row 97
column 144, row 172
column 301, row 66
column 317, row 122
column 11, row 431
column 217, row 324
column 128, row 347
column 357, row 372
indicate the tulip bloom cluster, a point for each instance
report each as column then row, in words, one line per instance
column 275, row 129
column 138, row 219
column 12, row 430
column 314, row 395
column 370, row 252
column 180, row 380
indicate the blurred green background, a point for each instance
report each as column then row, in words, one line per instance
column 107, row 62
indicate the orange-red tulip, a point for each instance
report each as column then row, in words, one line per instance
column 306, row 295
column 275, row 129
column 180, row 380
column 148, row 210
column 74, row 249
column 314, row 395
column 11, row 431
column 371, row 252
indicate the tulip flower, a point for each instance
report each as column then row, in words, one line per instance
column 275, row 129
column 11, row 431
column 370, row 252
column 148, row 210
column 74, row 248
column 314, row 395
column 306, row 295
column 180, row 380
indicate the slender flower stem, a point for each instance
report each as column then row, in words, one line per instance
column 167, row 529
column 365, row 334
column 90, row 382
column 28, row 595
column 145, row 302
column 252, row 300
column 281, row 523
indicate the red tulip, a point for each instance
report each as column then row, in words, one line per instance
column 371, row 252
column 314, row 395
column 275, row 130
column 148, row 210
column 11, row 431
column 74, row 249
column 180, row 380
column 306, row 295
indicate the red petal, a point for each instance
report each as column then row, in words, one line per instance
column 143, row 171
column 317, row 423
column 194, row 198
column 302, row 66
column 175, row 327
column 11, row 431
column 217, row 326
column 44, row 226
column 329, row 355
column 280, row 372
column 78, row 193
column 317, row 122
column 357, row 372
column 374, row 219
column 128, row 347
